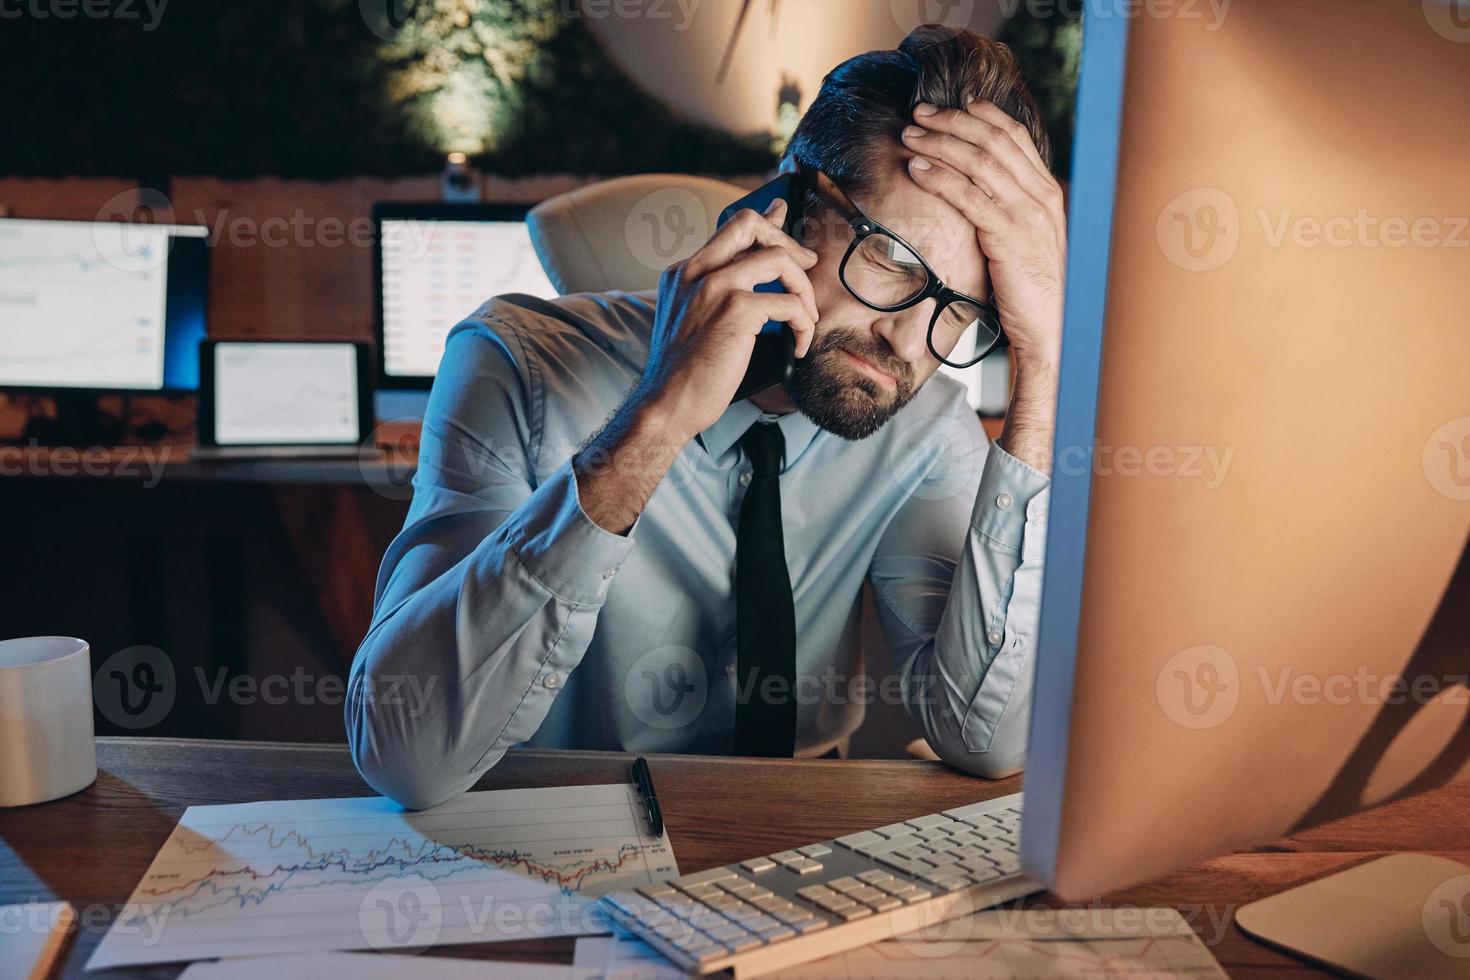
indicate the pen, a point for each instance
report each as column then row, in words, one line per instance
column 643, row 781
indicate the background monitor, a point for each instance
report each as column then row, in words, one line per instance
column 435, row 265
column 284, row 393
column 1257, row 602
column 101, row 306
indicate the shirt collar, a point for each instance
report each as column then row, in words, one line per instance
column 796, row 429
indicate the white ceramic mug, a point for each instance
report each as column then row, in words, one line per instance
column 46, row 747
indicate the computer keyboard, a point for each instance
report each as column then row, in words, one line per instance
column 798, row 905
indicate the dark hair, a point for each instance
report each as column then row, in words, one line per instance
column 867, row 100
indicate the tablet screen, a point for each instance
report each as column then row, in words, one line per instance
column 285, row 394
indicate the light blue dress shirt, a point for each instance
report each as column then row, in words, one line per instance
column 504, row 615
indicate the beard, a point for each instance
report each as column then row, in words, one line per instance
column 830, row 391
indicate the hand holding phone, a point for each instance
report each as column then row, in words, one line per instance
column 710, row 314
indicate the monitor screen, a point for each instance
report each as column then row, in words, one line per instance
column 285, row 394
column 438, row 268
column 108, row 306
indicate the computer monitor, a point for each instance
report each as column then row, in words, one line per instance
column 435, row 265
column 89, row 308
column 1256, row 614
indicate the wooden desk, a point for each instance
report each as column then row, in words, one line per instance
column 92, row 848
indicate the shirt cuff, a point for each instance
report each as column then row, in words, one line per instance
column 1011, row 493
column 562, row 547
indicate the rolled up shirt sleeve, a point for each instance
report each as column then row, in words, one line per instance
column 958, row 581
column 488, row 597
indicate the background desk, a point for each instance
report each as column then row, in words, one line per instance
column 92, row 848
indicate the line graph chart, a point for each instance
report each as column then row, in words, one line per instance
column 82, row 304
column 361, row 873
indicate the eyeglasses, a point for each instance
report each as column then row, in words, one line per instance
column 885, row 273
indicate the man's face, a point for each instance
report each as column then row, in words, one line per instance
column 863, row 365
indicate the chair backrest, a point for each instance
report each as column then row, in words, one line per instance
column 622, row 233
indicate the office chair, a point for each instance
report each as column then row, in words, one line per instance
column 622, row 233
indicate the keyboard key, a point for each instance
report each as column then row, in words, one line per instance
column 1009, row 866
column 836, row 903
column 722, row 902
column 726, row 933
column 701, row 892
column 695, row 944
column 854, row 841
column 743, row 913
column 884, row 903
column 707, row 920
column 804, row 866
column 947, row 870
column 982, row 875
column 906, row 865
column 813, row 892
column 885, row 846
column 929, row 820
column 629, row 904
column 702, row 877
column 815, row 850
column 895, row 830
column 809, row 925
column 659, row 889
column 846, row 883
column 778, row 933
column 874, row 877
column 947, row 883
column 770, row 903
column 867, row 894
column 748, row 941
column 786, row 857
column 912, row 894
column 740, row 888
column 793, row 915
column 761, row 923
column 758, row 865
column 856, row 912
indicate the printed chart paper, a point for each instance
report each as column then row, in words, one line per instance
column 299, row 875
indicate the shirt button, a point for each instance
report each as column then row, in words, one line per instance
column 551, row 682
column 994, row 637
column 745, row 479
column 1004, row 501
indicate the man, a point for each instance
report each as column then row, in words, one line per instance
column 689, row 579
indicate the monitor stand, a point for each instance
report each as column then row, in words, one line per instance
column 1401, row 917
column 78, row 422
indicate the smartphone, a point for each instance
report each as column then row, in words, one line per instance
column 774, row 357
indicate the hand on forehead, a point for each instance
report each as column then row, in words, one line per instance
column 942, row 235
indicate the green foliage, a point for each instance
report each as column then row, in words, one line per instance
column 1050, row 48
column 304, row 88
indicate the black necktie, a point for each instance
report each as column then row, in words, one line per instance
column 765, row 616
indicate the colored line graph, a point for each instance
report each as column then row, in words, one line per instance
column 308, row 874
